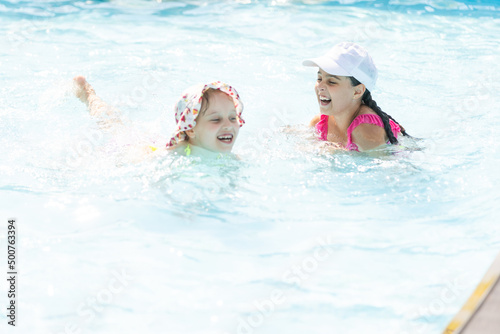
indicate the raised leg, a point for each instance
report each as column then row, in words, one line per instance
column 86, row 93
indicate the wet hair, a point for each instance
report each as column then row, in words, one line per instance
column 205, row 100
column 207, row 96
column 367, row 100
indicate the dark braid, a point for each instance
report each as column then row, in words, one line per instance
column 367, row 100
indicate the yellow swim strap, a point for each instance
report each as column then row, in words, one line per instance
column 188, row 150
column 153, row 148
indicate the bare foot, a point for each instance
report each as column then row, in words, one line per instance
column 83, row 90
column 86, row 93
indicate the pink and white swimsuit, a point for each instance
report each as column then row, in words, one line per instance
column 322, row 127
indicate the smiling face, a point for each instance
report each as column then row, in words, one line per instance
column 216, row 126
column 335, row 94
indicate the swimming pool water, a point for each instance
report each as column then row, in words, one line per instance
column 289, row 239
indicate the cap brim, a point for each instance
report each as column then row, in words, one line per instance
column 327, row 65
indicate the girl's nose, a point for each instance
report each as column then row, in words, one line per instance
column 226, row 124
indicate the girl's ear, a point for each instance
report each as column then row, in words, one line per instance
column 359, row 90
column 190, row 133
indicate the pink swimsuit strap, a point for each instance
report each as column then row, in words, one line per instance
column 322, row 127
column 368, row 119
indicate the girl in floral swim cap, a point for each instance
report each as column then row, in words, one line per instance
column 208, row 117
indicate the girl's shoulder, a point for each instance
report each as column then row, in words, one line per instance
column 367, row 130
column 315, row 120
column 366, row 116
column 365, row 110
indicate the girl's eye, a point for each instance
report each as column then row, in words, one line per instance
column 233, row 119
column 214, row 120
column 319, row 79
column 332, row 83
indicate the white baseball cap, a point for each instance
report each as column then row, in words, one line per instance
column 349, row 60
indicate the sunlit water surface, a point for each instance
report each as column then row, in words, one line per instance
column 289, row 239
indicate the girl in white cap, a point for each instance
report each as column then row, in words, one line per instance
column 348, row 115
column 208, row 117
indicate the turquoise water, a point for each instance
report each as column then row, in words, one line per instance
column 289, row 239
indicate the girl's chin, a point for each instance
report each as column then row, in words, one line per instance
column 325, row 109
column 223, row 149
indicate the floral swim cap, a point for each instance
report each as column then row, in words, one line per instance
column 189, row 105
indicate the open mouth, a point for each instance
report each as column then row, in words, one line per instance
column 226, row 139
column 324, row 101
